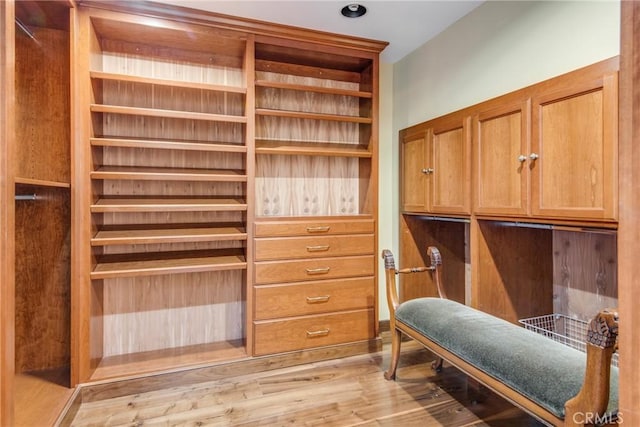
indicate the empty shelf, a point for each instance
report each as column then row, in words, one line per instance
column 168, row 145
column 167, row 205
column 126, row 265
column 312, row 116
column 308, row 88
column 310, row 148
column 174, row 235
column 171, row 114
column 173, row 174
column 165, row 82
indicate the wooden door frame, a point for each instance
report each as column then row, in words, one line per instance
column 629, row 211
column 7, row 217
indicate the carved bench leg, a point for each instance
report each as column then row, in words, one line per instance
column 436, row 365
column 476, row 391
column 396, row 340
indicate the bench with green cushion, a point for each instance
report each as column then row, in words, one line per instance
column 543, row 370
column 534, row 372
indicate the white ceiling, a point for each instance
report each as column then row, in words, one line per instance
column 406, row 25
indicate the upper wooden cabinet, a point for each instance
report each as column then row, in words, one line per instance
column 574, row 150
column 549, row 151
column 500, row 147
column 435, row 166
column 413, row 172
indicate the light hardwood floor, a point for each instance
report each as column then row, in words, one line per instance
column 350, row 391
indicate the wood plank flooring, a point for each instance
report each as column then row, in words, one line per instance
column 350, row 391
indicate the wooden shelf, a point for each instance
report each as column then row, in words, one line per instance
column 169, row 114
column 164, row 82
column 167, row 235
column 309, row 148
column 40, row 396
column 167, row 205
column 167, row 145
column 312, row 116
column 171, row 174
column 307, row 88
column 169, row 359
column 194, row 43
column 150, row 264
column 41, row 183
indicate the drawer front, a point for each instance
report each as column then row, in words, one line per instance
column 313, row 247
column 312, row 227
column 273, row 301
column 267, row 272
column 313, row 331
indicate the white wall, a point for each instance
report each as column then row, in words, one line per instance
column 499, row 47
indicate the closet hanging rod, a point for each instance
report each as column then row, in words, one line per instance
column 26, row 30
column 26, row 197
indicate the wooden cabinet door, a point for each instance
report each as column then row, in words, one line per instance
column 501, row 159
column 574, row 144
column 450, row 165
column 414, row 170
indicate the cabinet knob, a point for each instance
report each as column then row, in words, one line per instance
column 533, row 156
column 427, row 171
column 522, row 158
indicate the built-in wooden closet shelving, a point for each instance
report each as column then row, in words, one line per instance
column 529, row 243
column 188, row 122
column 316, row 201
column 166, row 194
column 42, row 179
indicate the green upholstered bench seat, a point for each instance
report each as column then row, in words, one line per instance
column 545, row 371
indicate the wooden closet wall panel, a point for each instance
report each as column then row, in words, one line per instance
column 43, row 292
column 43, row 111
column 513, row 268
column 584, row 272
column 416, row 235
column 153, row 313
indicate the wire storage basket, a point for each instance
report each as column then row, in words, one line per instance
column 564, row 329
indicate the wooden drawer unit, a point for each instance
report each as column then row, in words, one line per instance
column 314, row 282
column 310, row 269
column 313, row 331
column 312, row 227
column 313, row 247
column 273, row 301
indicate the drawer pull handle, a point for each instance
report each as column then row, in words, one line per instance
column 320, row 229
column 319, row 248
column 320, row 333
column 315, row 300
column 321, row 270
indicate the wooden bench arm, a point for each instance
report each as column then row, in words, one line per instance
column 593, row 397
column 391, row 272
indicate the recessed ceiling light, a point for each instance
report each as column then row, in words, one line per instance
column 353, row 10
